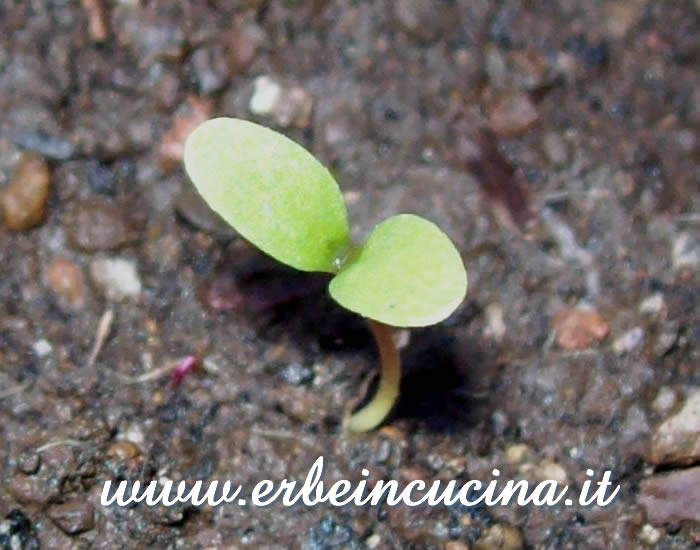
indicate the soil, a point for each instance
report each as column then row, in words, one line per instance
column 555, row 142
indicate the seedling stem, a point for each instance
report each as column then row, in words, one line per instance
column 374, row 413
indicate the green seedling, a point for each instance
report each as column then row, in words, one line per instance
column 280, row 198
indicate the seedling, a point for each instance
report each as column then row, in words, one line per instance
column 280, row 198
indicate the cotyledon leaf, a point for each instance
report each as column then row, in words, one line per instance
column 407, row 274
column 271, row 190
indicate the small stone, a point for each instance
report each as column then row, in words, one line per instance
column 579, row 328
column 190, row 204
column 456, row 545
column 290, row 106
column 265, row 96
column 47, row 145
column 550, row 470
column 172, row 144
column 29, row 490
column 98, row 224
column 686, row 252
column 515, row 454
column 665, row 400
column 29, row 462
column 22, row 200
column 530, row 70
column 134, row 433
column 124, row 450
column 500, row 537
column 513, row 115
column 147, row 32
column 297, row 374
column 622, row 15
column 73, row 517
column 42, row 348
column 556, row 149
column 495, row 326
column 420, row 19
column 211, row 69
column 117, row 278
column 67, row 281
column 166, row 90
column 97, row 20
column 649, row 534
column 628, row 341
column 652, row 305
column 677, row 439
column 373, row 541
column 668, row 339
column 671, row 498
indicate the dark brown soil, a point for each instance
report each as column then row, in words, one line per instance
column 555, row 142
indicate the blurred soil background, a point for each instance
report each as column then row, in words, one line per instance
column 555, row 142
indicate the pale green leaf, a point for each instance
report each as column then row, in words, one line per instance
column 271, row 190
column 407, row 274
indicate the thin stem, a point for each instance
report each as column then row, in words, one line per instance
column 372, row 414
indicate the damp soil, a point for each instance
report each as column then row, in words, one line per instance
column 555, row 142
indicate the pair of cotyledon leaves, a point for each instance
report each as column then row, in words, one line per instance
column 280, row 198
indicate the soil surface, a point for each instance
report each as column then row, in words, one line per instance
column 555, row 142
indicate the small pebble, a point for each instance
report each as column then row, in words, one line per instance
column 42, row 348
column 266, row 94
column 73, row 517
column 29, row 463
column 98, row 224
column 550, row 470
column 48, row 146
column 513, row 115
column 495, row 326
column 290, row 106
column 579, row 328
column 628, row 341
column 373, row 541
column 147, row 33
column 22, row 201
column 117, row 278
column 243, row 45
column 665, row 400
column 297, row 374
column 97, row 20
column 649, row 534
column 135, row 434
column 671, row 498
column 500, row 537
column 124, row 450
column 677, row 439
column 556, row 149
column 515, row 454
column 172, row 144
column 210, row 67
column 685, row 252
column 667, row 339
column 422, row 20
column 622, row 15
column 66, row 279
column 652, row 304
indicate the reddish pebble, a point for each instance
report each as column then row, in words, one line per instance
column 513, row 115
column 172, row 145
column 66, row 279
column 579, row 328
